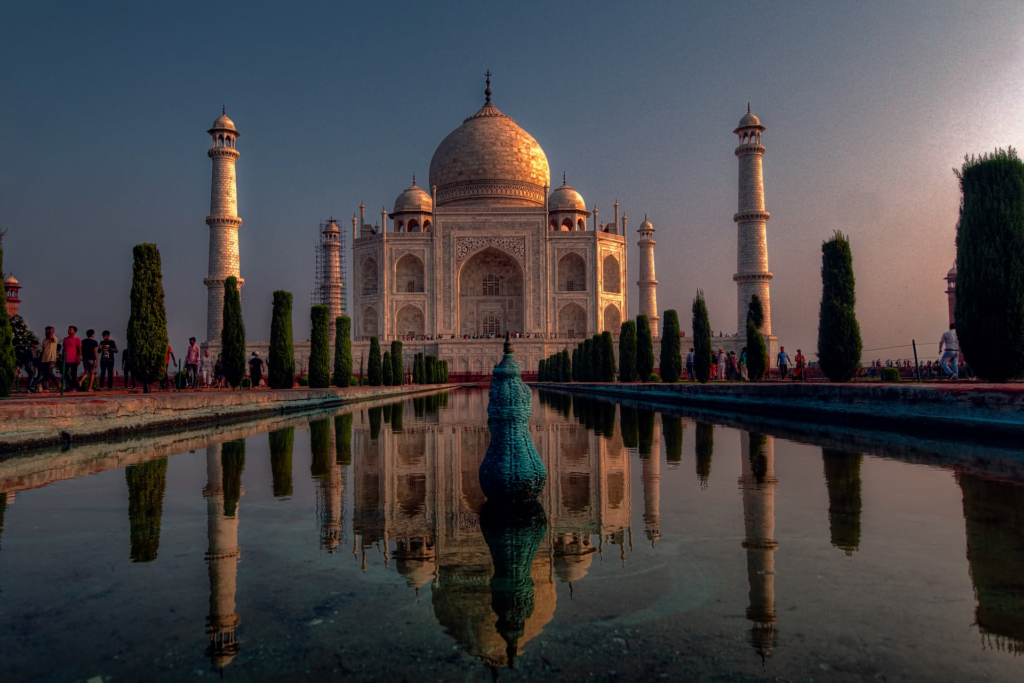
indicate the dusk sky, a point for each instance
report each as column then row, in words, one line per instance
column 104, row 109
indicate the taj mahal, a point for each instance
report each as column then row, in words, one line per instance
column 486, row 247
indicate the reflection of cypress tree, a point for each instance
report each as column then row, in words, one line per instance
column 672, row 426
column 628, row 422
column 375, row 414
column 607, row 418
column 320, row 448
column 645, row 421
column 704, row 439
column 397, row 411
column 232, row 462
column 578, row 408
column 842, row 476
column 281, row 442
column 994, row 516
column 758, row 458
column 513, row 533
column 3, row 509
column 418, row 407
column 146, row 484
column 387, row 413
column 343, row 436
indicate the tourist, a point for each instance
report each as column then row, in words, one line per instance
column 206, row 368
column 127, row 369
column 108, row 349
column 72, row 357
column 744, row 375
column 47, row 358
column 722, row 362
column 255, row 369
column 801, row 364
column 714, row 367
column 27, row 361
column 89, row 358
column 734, row 366
column 191, row 363
column 951, row 344
column 168, row 360
column 783, row 359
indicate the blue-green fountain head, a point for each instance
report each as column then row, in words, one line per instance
column 511, row 470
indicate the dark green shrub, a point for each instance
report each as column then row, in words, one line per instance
column 890, row 375
column 671, row 364
column 990, row 265
column 385, row 369
column 627, row 352
column 374, row 373
column 147, row 322
column 342, row 351
column 653, row 377
column 232, row 336
column 701, row 339
column 303, row 380
column 757, row 352
column 839, row 343
column 281, row 374
column 319, row 347
column 397, row 368
column 281, row 443
column 146, row 485
column 644, row 347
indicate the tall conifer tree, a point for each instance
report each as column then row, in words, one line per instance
column 701, row 339
column 607, row 357
column 281, row 374
column 671, row 364
column 147, row 323
column 385, row 370
column 342, row 351
column 757, row 351
column 839, row 343
column 627, row 352
column 644, row 348
column 319, row 347
column 232, row 335
column 8, row 360
column 397, row 368
column 373, row 371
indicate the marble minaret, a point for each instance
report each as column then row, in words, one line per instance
column 752, row 274
column 223, row 221
column 222, row 558
column 647, row 283
column 757, row 484
column 330, row 283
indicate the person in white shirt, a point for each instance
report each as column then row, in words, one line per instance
column 951, row 344
column 206, row 368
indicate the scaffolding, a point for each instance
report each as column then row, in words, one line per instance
column 320, row 294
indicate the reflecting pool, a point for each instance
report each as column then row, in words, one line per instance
column 665, row 544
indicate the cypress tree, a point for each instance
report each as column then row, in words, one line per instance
column 644, row 348
column 8, row 360
column 576, row 364
column 342, row 351
column 757, row 352
column 596, row 358
column 232, row 463
column 627, row 352
column 319, row 347
column 385, row 370
column 146, row 485
column 23, row 336
column 704, row 447
column 343, row 438
column 397, row 368
column 566, row 366
column 839, row 343
column 281, row 443
column 373, row 372
column 281, row 374
column 320, row 448
column 417, row 369
column 232, row 335
column 444, row 372
column 147, row 323
column 555, row 361
column 587, row 360
column 990, row 265
column 607, row 357
column 540, row 370
column 671, row 364
column 702, row 339
column 430, row 368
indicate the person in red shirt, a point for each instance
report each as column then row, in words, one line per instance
column 72, row 357
column 168, row 358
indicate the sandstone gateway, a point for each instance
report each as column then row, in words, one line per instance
column 489, row 248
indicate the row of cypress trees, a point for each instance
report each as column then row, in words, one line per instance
column 557, row 367
column 636, row 350
column 427, row 369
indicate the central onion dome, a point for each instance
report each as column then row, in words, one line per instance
column 490, row 160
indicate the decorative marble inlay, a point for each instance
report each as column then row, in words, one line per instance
column 464, row 246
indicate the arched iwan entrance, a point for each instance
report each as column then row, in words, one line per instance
column 409, row 322
column 612, row 320
column 572, row 322
column 369, row 322
column 491, row 294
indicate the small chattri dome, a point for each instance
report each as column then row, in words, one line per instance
column 646, row 225
column 10, row 280
column 749, row 120
column 414, row 199
column 951, row 273
column 565, row 198
column 224, row 123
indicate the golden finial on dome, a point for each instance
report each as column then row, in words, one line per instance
column 414, row 180
column 487, row 93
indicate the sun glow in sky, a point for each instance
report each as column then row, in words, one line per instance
column 104, row 108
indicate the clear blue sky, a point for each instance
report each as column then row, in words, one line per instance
column 104, row 108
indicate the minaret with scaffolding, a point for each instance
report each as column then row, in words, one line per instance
column 329, row 288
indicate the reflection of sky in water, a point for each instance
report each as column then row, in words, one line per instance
column 660, row 545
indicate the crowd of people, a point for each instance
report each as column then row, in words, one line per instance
column 728, row 366
column 89, row 364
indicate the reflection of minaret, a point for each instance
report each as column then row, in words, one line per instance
column 222, row 556
column 994, row 517
column 328, row 494
column 758, row 485
column 842, row 476
column 652, row 489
